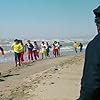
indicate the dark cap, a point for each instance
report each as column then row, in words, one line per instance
column 97, row 12
column 97, row 15
column 15, row 40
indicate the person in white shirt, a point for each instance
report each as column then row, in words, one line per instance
column 43, row 50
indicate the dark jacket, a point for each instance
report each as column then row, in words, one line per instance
column 91, row 72
column 30, row 46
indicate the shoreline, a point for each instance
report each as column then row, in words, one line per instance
column 11, row 64
column 34, row 72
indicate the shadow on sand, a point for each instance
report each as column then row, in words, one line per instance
column 7, row 75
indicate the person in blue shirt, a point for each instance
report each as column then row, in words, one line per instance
column 48, row 47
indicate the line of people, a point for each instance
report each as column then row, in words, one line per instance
column 33, row 50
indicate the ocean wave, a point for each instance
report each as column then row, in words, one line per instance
column 66, row 47
column 9, row 51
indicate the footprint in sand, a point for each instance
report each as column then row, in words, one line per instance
column 52, row 83
column 1, row 80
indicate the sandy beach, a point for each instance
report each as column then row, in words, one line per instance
column 50, row 79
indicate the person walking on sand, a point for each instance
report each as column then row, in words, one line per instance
column 43, row 50
column 2, row 50
column 35, row 50
column 55, row 49
column 22, row 52
column 17, row 48
column 48, row 49
column 75, row 45
column 2, row 53
column 59, row 46
column 90, row 82
column 81, row 47
column 30, row 47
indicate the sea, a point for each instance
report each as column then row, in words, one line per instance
column 66, row 48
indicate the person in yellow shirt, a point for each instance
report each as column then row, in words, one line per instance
column 17, row 48
column 75, row 45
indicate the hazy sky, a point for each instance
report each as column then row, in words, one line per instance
column 47, row 18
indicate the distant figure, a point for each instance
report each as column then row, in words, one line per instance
column 29, row 46
column 55, row 48
column 43, row 50
column 2, row 51
column 17, row 48
column 90, row 82
column 75, row 45
column 59, row 46
column 81, row 47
